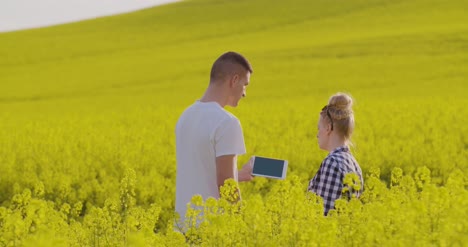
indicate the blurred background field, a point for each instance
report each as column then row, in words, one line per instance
column 82, row 103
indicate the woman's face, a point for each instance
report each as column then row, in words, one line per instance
column 323, row 133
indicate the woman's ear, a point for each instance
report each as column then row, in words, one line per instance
column 328, row 130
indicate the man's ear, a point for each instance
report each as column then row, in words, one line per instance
column 234, row 80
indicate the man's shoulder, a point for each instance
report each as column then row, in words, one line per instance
column 230, row 116
column 214, row 111
column 208, row 112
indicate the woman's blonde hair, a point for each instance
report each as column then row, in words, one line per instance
column 339, row 114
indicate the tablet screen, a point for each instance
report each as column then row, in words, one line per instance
column 268, row 167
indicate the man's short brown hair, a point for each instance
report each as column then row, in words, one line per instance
column 229, row 63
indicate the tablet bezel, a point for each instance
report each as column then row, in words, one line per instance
column 283, row 175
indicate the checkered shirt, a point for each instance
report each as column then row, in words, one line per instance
column 328, row 182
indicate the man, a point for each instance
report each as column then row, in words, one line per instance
column 209, row 138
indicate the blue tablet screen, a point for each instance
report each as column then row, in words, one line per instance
column 268, row 167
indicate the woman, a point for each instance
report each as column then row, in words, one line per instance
column 335, row 127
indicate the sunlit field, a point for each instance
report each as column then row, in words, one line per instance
column 88, row 113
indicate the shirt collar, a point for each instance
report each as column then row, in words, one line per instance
column 343, row 148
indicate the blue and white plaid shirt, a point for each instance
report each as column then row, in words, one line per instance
column 328, row 182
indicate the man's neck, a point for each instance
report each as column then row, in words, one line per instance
column 214, row 94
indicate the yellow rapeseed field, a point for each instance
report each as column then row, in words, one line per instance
column 88, row 113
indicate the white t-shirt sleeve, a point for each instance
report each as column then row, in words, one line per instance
column 228, row 138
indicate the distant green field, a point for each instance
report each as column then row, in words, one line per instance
column 81, row 103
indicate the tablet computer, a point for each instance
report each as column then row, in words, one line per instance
column 270, row 168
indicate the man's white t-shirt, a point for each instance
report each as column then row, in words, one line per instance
column 204, row 131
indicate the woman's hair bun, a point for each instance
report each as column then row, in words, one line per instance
column 340, row 106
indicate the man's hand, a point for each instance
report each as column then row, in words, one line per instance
column 245, row 174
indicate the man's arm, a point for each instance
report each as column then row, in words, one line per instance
column 225, row 169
